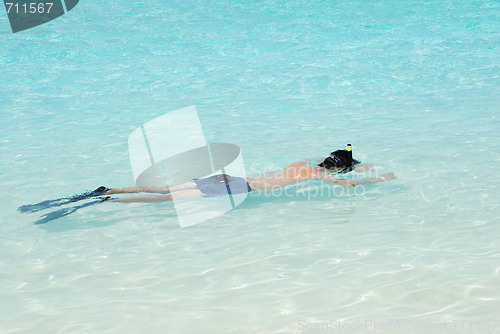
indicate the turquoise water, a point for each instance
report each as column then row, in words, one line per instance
column 413, row 85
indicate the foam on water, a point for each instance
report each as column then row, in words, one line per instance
column 412, row 85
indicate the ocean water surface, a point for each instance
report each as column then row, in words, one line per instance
column 412, row 85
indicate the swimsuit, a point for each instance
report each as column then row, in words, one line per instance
column 222, row 184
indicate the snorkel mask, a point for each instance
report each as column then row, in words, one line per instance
column 340, row 159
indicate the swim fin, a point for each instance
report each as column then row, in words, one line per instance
column 28, row 208
column 66, row 211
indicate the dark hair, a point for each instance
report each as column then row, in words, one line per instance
column 339, row 159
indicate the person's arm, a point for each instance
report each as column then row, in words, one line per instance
column 330, row 178
column 317, row 161
column 342, row 182
column 381, row 178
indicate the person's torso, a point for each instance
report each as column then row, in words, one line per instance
column 293, row 173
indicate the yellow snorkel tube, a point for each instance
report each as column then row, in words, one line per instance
column 349, row 157
column 349, row 154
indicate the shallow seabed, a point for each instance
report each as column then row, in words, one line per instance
column 412, row 85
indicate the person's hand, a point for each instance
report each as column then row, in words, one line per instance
column 388, row 176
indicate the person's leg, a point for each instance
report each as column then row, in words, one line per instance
column 191, row 193
column 157, row 190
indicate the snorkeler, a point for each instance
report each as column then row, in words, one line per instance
column 338, row 162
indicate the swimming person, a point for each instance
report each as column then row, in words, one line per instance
column 338, row 162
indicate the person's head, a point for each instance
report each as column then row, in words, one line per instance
column 339, row 161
